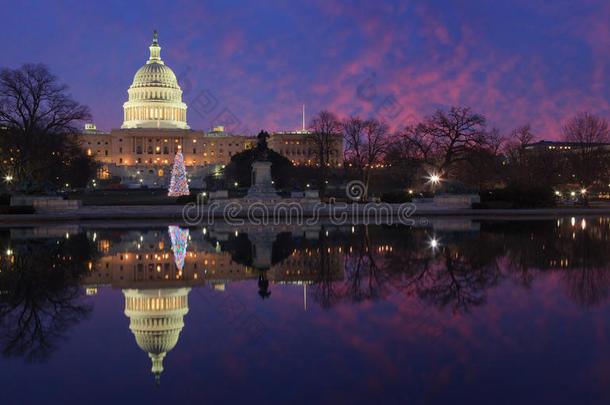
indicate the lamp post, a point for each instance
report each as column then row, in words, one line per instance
column 434, row 179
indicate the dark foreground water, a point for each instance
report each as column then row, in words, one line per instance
column 458, row 312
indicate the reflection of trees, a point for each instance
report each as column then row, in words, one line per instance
column 588, row 278
column 366, row 276
column 40, row 294
column 458, row 274
column 460, row 278
column 577, row 249
column 324, row 287
column 529, row 247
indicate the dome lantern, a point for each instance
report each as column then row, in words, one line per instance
column 155, row 98
column 155, row 50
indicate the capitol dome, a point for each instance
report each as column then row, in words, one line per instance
column 155, row 98
column 156, row 320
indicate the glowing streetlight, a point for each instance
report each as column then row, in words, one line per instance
column 573, row 194
column 434, row 179
column 434, row 243
column 8, row 178
column 583, row 191
column 235, row 184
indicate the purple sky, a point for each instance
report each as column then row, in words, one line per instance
column 252, row 65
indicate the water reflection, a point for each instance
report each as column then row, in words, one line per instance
column 156, row 320
column 449, row 267
column 40, row 293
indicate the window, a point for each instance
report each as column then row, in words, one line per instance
column 139, row 150
column 106, row 153
column 160, row 172
column 120, row 160
column 121, row 149
column 194, row 150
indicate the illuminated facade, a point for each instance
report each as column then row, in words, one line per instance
column 296, row 146
column 155, row 127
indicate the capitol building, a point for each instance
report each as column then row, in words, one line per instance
column 141, row 151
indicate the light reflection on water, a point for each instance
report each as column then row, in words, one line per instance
column 462, row 310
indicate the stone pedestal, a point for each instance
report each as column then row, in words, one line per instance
column 261, row 182
column 262, row 249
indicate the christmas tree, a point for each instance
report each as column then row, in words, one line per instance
column 178, row 185
column 179, row 239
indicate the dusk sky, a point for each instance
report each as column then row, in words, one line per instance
column 253, row 64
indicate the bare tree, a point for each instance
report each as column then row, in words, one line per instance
column 445, row 138
column 322, row 143
column 37, row 122
column 516, row 153
column 529, row 167
column 404, row 162
column 588, row 159
column 482, row 165
column 365, row 145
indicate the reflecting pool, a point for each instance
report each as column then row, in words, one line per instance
column 456, row 311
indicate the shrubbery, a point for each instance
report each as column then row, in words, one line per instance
column 396, row 197
column 518, row 197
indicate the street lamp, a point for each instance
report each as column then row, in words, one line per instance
column 434, row 179
column 433, row 243
column 8, row 178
